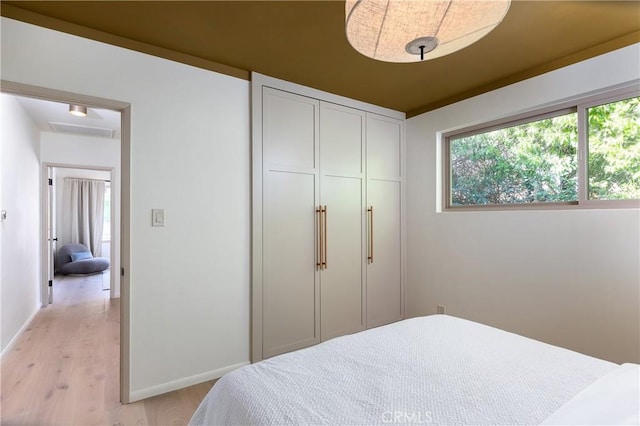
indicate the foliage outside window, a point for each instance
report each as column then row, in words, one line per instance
column 534, row 160
column 526, row 163
column 614, row 150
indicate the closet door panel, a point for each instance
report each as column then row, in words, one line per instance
column 289, row 130
column 384, row 272
column 290, row 281
column 341, row 140
column 342, row 282
column 384, row 147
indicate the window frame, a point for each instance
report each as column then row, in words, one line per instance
column 578, row 105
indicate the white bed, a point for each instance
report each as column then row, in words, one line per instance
column 429, row 370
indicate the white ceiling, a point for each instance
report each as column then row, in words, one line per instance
column 42, row 112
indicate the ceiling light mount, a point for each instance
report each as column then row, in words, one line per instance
column 415, row 30
column 422, row 45
column 78, row 110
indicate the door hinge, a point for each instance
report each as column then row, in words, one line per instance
column 122, row 272
column 50, row 182
column 50, row 283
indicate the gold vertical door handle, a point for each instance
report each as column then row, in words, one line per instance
column 319, row 235
column 370, row 256
column 324, row 238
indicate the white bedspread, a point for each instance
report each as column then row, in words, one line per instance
column 614, row 399
column 429, row 370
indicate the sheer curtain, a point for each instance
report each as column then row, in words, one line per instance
column 83, row 213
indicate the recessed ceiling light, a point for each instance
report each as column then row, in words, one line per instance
column 78, row 110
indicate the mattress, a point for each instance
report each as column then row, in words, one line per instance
column 429, row 370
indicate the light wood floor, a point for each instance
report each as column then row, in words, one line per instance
column 64, row 368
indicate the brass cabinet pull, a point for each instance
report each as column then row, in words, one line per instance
column 319, row 251
column 370, row 256
column 324, row 237
column 321, row 257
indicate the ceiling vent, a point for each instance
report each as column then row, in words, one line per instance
column 77, row 129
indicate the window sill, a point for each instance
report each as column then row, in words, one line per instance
column 574, row 205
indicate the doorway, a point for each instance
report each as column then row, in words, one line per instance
column 105, row 233
column 121, row 179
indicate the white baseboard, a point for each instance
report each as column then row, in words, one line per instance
column 13, row 341
column 137, row 395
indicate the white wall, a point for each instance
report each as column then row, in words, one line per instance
column 77, row 150
column 570, row 278
column 189, row 155
column 20, row 232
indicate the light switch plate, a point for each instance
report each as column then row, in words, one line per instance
column 157, row 217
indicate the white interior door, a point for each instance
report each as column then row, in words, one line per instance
column 385, row 173
column 50, row 232
column 290, row 298
column 342, row 283
column 384, row 271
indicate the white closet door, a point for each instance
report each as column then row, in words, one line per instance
column 384, row 271
column 290, row 295
column 385, row 178
column 291, row 292
column 342, row 283
column 307, row 154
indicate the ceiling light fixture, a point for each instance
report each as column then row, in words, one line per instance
column 78, row 110
column 415, row 30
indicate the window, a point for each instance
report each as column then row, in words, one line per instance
column 534, row 160
column 613, row 141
